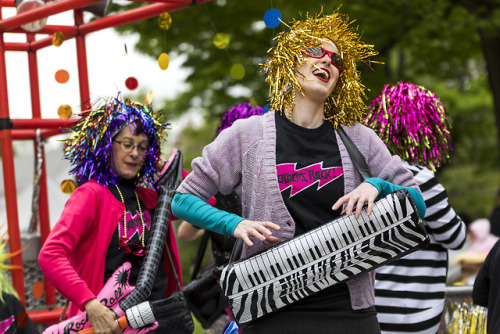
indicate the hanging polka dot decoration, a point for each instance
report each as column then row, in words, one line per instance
column 131, row 83
column 62, row 76
column 165, row 21
column 221, row 40
column 272, row 18
column 68, row 186
column 237, row 71
column 266, row 109
column 57, row 38
column 64, row 111
column 163, row 61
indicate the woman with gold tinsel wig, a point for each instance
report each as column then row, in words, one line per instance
column 293, row 171
column 114, row 152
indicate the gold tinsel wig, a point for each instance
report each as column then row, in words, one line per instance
column 281, row 71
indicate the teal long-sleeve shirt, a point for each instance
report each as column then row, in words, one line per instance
column 197, row 212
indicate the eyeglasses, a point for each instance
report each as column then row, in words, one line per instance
column 129, row 147
column 319, row 52
column 132, row 247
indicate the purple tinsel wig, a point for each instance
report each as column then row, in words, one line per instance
column 241, row 111
column 413, row 124
column 90, row 146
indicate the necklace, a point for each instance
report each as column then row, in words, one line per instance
column 140, row 249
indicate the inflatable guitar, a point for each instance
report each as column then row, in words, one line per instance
column 117, row 294
column 115, row 289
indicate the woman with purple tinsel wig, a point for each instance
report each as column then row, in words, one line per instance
column 114, row 152
column 293, row 173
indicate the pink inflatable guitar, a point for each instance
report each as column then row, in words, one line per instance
column 115, row 289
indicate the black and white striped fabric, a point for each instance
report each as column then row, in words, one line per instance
column 409, row 293
column 335, row 252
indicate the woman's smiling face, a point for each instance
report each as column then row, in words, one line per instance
column 318, row 75
column 128, row 164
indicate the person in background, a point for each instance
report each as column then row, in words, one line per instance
column 115, row 153
column 272, row 163
column 13, row 316
column 221, row 245
column 495, row 217
column 410, row 292
column 486, row 290
column 472, row 258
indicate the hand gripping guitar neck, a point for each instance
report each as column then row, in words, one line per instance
column 116, row 288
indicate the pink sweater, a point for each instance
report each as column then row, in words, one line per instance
column 73, row 256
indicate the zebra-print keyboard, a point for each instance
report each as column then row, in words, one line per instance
column 335, row 252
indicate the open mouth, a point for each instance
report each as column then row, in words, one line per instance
column 322, row 73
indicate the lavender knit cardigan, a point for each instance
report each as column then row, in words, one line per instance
column 243, row 159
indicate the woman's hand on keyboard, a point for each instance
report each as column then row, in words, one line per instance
column 364, row 193
column 260, row 230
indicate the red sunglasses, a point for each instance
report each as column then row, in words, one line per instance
column 319, row 52
column 132, row 247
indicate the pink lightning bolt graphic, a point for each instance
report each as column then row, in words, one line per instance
column 303, row 178
column 134, row 224
column 5, row 324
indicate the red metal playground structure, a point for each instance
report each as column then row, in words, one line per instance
column 25, row 129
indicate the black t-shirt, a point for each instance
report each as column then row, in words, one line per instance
column 13, row 317
column 115, row 256
column 311, row 180
column 310, row 173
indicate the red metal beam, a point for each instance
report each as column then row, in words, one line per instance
column 81, row 56
column 45, row 316
column 34, row 87
column 17, row 46
column 42, row 123
column 49, row 30
column 129, row 16
column 43, row 204
column 49, row 9
column 10, row 179
column 8, row 3
column 30, row 134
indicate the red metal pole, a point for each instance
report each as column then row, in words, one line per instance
column 17, row 46
column 52, row 8
column 8, row 3
column 43, row 205
column 131, row 15
column 34, row 86
column 49, row 30
column 43, row 123
column 9, row 178
column 81, row 55
column 49, row 316
column 31, row 134
column 47, row 41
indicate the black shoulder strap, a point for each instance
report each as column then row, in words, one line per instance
column 356, row 156
column 200, row 254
